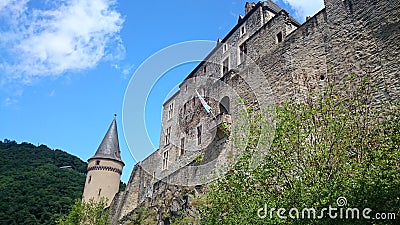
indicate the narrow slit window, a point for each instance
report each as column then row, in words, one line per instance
column 199, row 129
column 182, row 150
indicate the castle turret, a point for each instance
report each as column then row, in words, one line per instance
column 104, row 168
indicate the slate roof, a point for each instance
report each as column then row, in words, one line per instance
column 276, row 9
column 271, row 5
column 109, row 146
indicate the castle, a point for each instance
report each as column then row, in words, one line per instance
column 267, row 58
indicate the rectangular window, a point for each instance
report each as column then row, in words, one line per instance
column 279, row 37
column 243, row 30
column 165, row 160
column 225, row 66
column 167, row 135
column 205, row 69
column 199, row 128
column 170, row 110
column 224, row 47
column 242, row 53
column 182, row 150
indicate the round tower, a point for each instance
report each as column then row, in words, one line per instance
column 104, row 168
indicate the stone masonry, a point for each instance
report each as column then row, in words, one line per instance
column 267, row 58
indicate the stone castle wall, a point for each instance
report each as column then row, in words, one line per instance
column 346, row 37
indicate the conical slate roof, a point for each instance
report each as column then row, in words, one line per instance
column 109, row 147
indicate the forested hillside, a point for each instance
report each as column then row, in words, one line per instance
column 37, row 184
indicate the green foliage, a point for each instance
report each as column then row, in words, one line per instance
column 185, row 219
column 198, row 159
column 122, row 186
column 34, row 189
column 87, row 213
column 225, row 127
column 143, row 216
column 337, row 145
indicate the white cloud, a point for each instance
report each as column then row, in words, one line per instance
column 13, row 98
column 124, row 69
column 59, row 36
column 10, row 101
column 303, row 8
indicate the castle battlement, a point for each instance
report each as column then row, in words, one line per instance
column 267, row 58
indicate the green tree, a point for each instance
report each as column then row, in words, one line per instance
column 143, row 216
column 339, row 144
column 87, row 213
column 35, row 188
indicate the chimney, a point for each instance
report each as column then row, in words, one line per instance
column 249, row 6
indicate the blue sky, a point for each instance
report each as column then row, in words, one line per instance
column 65, row 64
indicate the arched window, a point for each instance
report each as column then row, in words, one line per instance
column 224, row 105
